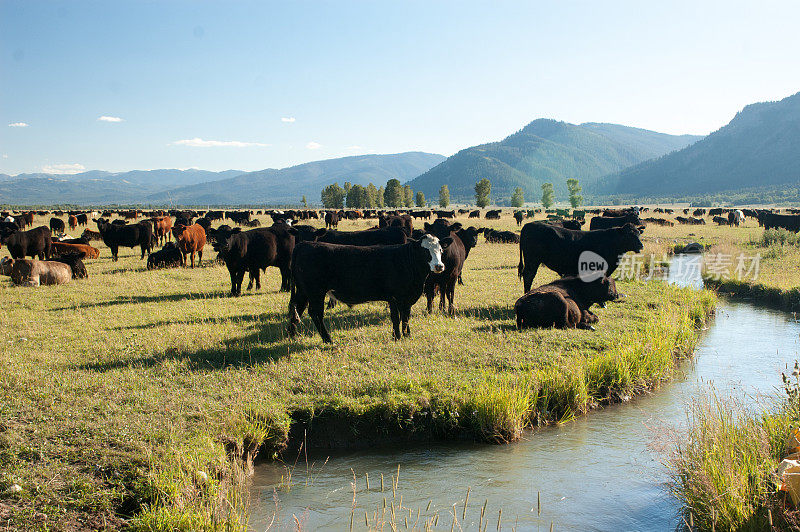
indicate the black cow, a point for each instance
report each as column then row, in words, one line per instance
column 500, row 237
column 395, row 274
column 559, row 248
column 519, row 216
column 82, row 219
column 252, row 251
column 129, row 236
column 469, row 237
column 370, row 237
column 790, row 222
column 331, row 219
column 453, row 258
column 607, row 222
column 564, row 303
column 75, row 262
column 493, row 215
column 33, row 243
column 397, row 220
column 169, row 256
column 57, row 225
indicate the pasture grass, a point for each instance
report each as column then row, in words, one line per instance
column 140, row 399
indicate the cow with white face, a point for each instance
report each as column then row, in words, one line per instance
column 359, row 274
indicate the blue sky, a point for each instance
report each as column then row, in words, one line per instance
column 252, row 85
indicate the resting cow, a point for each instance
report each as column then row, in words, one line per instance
column 26, row 272
column 564, row 303
column 607, row 222
column 63, row 248
column 167, row 257
column 559, row 249
column 395, row 274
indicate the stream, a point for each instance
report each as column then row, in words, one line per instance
column 603, row 471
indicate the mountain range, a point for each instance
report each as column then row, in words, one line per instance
column 759, row 150
column 752, row 159
column 547, row 151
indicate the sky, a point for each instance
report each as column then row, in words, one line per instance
column 247, row 85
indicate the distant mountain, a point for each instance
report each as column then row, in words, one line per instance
column 97, row 186
column 758, row 150
column 547, row 151
column 287, row 186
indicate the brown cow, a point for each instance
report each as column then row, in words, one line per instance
column 26, row 272
column 191, row 239
column 73, row 221
column 61, row 248
column 88, row 234
column 163, row 227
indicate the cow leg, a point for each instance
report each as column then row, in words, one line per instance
column 442, row 295
column 394, row 312
column 405, row 316
column 316, row 310
column 114, row 253
column 236, row 282
column 199, row 257
column 528, row 274
column 451, row 294
column 192, row 259
column 286, row 275
column 430, row 292
column 297, row 305
column 144, row 247
column 460, row 282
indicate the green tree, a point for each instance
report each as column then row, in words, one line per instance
column 408, row 196
column 381, row 193
column 482, row 190
column 575, row 198
column 372, row 196
column 444, row 196
column 333, row 196
column 304, row 201
column 518, row 198
column 420, row 199
column 357, row 197
column 393, row 196
column 347, row 186
column 548, row 196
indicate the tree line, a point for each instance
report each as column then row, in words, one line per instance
column 395, row 195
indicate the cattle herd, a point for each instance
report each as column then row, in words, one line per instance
column 392, row 262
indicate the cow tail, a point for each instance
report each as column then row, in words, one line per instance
column 521, row 266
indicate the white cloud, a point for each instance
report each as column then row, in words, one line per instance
column 354, row 148
column 5, row 156
column 18, row 124
column 313, row 145
column 288, row 119
column 197, row 142
column 63, row 168
column 105, row 118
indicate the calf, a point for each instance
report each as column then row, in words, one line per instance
column 169, row 256
column 395, row 274
column 191, row 239
column 75, row 262
column 129, row 236
column 90, row 235
column 564, row 303
column 163, row 229
column 559, row 249
column 469, row 237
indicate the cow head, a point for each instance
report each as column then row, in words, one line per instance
column 6, row 263
column 435, row 248
column 630, row 238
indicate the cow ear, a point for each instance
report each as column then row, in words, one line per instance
column 456, row 226
column 446, row 241
column 319, row 232
column 293, row 231
column 427, row 226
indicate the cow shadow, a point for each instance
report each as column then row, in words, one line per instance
column 267, row 341
column 491, row 315
column 133, row 300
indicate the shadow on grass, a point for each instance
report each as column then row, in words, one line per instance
column 133, row 300
column 268, row 342
column 493, row 312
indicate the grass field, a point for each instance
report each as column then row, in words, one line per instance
column 139, row 398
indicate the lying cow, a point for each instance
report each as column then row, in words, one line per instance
column 607, row 222
column 564, row 303
column 26, row 272
column 559, row 249
column 395, row 274
column 63, row 248
column 167, row 257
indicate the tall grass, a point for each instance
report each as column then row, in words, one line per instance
column 724, row 469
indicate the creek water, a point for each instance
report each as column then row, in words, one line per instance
column 603, row 471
